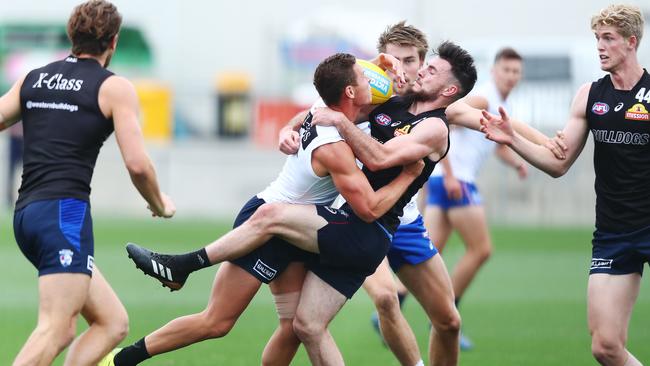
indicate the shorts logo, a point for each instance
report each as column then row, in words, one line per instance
column 264, row 270
column 637, row 113
column 383, row 119
column 600, row 108
column 335, row 211
column 65, row 257
column 600, row 263
column 90, row 263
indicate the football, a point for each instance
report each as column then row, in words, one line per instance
column 381, row 86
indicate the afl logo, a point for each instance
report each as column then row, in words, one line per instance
column 600, row 108
column 383, row 119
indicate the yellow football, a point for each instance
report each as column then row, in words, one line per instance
column 381, row 86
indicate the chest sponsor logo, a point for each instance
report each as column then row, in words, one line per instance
column 600, row 108
column 598, row 263
column 383, row 119
column 638, row 112
column 618, row 107
column 403, row 131
column 65, row 257
column 264, row 270
column 57, row 82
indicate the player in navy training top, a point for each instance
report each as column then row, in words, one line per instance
column 614, row 110
column 68, row 109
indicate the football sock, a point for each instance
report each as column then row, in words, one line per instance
column 401, row 298
column 193, row 261
column 132, row 355
column 420, row 363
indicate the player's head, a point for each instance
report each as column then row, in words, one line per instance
column 339, row 77
column 93, row 28
column 451, row 74
column 618, row 30
column 507, row 69
column 409, row 45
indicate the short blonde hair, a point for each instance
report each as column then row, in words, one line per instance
column 627, row 19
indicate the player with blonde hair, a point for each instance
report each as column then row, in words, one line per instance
column 614, row 109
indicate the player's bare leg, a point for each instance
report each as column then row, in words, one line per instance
column 283, row 344
column 61, row 297
column 429, row 283
column 438, row 226
column 318, row 305
column 232, row 291
column 108, row 324
column 397, row 333
column 471, row 224
column 610, row 301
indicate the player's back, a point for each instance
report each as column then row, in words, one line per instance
column 64, row 129
column 297, row 182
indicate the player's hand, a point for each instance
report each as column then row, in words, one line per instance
column 168, row 209
column 497, row 129
column 288, row 141
column 393, row 68
column 452, row 187
column 327, row 117
column 522, row 170
column 415, row 168
column 557, row 145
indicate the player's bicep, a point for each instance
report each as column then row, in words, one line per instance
column 349, row 180
column 428, row 138
column 576, row 130
column 119, row 98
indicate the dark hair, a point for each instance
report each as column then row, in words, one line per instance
column 462, row 66
column 507, row 53
column 404, row 35
column 333, row 75
column 92, row 26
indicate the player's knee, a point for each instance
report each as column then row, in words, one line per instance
column 386, row 303
column 217, row 328
column 306, row 329
column 119, row 327
column 605, row 349
column 447, row 322
column 266, row 216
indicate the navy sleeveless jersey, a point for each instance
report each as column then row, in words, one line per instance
column 387, row 121
column 63, row 129
column 620, row 124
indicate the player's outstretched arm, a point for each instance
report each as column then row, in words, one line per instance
column 575, row 135
column 337, row 160
column 10, row 106
column 118, row 99
column 467, row 112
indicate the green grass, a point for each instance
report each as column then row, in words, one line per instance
column 527, row 307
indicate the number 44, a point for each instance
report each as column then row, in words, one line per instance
column 643, row 96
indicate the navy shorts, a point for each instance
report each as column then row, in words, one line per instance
column 411, row 245
column 437, row 194
column 271, row 259
column 350, row 249
column 620, row 253
column 56, row 235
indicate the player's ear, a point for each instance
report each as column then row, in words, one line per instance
column 450, row 90
column 349, row 92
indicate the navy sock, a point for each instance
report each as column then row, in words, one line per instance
column 193, row 261
column 401, row 298
column 132, row 355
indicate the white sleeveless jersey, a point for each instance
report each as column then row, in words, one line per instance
column 297, row 182
column 469, row 148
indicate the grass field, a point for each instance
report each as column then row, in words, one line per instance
column 527, row 306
